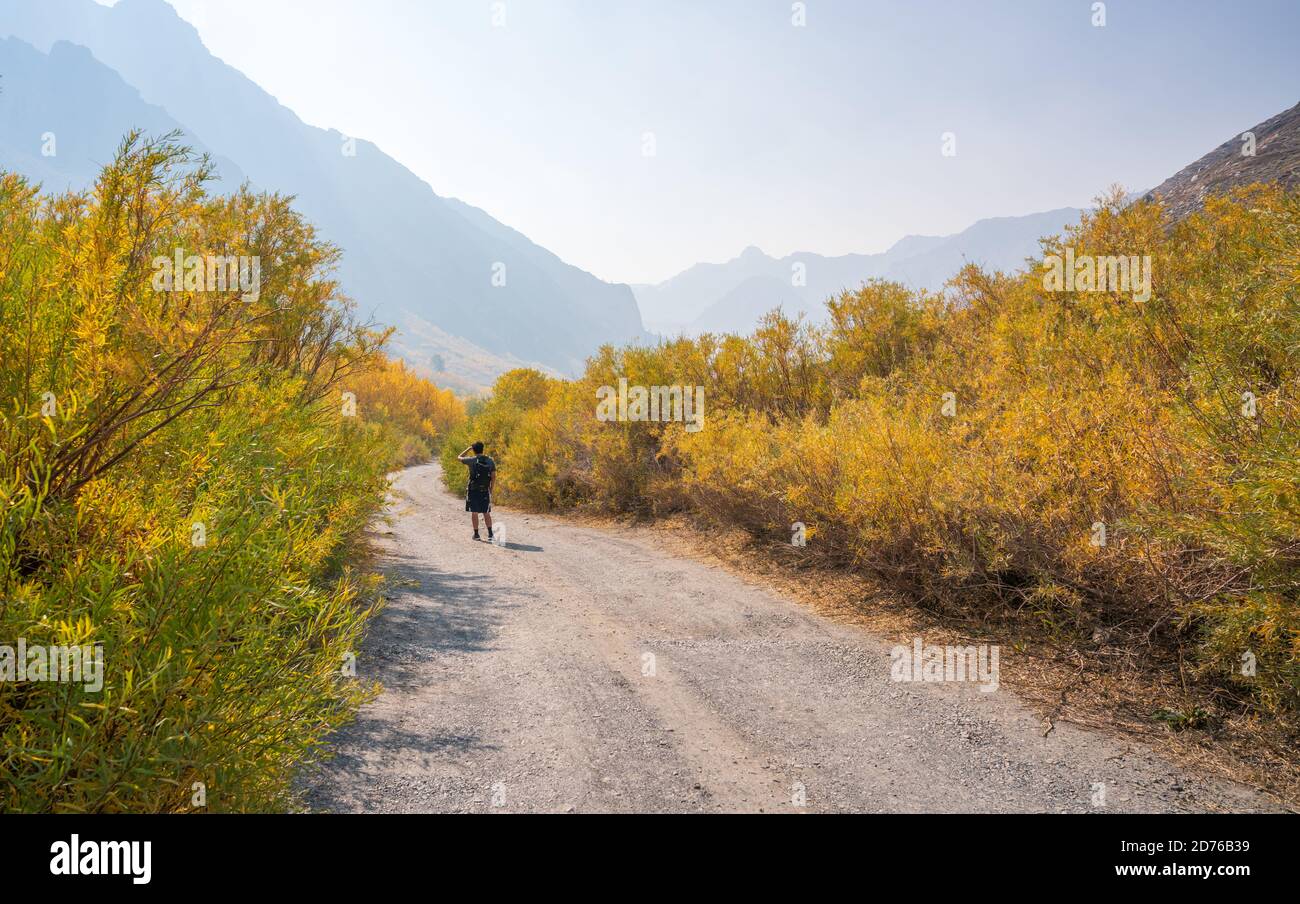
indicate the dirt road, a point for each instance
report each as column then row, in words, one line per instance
column 582, row 669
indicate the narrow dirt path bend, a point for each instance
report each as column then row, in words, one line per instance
column 583, row 669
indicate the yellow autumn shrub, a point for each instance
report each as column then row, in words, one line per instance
column 1115, row 461
column 181, row 487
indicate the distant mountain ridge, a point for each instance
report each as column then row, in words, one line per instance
column 731, row 297
column 80, row 104
column 410, row 256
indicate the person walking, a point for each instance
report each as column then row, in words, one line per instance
column 478, row 496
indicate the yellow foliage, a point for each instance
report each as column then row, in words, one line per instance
column 179, row 485
column 420, row 413
column 1089, row 459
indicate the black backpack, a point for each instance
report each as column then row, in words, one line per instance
column 480, row 474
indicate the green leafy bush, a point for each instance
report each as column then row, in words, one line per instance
column 181, row 482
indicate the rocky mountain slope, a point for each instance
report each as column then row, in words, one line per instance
column 409, row 254
column 1276, row 158
column 62, row 115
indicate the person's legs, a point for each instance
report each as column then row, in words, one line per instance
column 479, row 504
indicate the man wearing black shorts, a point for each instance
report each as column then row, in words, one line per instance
column 482, row 474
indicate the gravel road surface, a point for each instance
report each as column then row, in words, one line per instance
column 583, row 669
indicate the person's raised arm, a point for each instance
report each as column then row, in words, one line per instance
column 465, row 457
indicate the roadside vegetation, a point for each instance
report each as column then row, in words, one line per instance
column 1120, row 477
column 184, row 479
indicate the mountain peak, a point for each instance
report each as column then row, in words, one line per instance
column 154, row 7
column 155, row 16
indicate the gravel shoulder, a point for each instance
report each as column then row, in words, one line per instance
column 591, row 669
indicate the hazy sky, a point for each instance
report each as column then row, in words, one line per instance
column 823, row 138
